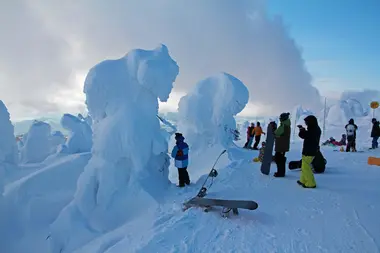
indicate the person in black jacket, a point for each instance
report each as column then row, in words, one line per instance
column 311, row 137
column 351, row 129
column 375, row 133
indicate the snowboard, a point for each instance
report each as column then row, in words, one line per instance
column 227, row 205
column 268, row 151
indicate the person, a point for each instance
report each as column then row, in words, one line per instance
column 311, row 137
column 261, row 152
column 332, row 141
column 351, row 128
column 282, row 144
column 257, row 131
column 249, row 136
column 375, row 133
column 180, row 153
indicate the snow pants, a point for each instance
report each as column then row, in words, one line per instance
column 183, row 176
column 351, row 144
column 307, row 176
column 257, row 141
column 375, row 144
column 249, row 145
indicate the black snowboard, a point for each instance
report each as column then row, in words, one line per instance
column 295, row 165
column 268, row 151
column 318, row 163
column 227, row 205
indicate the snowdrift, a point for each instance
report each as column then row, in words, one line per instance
column 206, row 118
column 80, row 138
column 8, row 146
column 128, row 172
column 37, row 145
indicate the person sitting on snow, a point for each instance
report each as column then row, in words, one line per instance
column 180, row 153
column 332, row 141
column 282, row 144
column 261, row 152
column 257, row 131
column 311, row 137
column 375, row 133
column 351, row 129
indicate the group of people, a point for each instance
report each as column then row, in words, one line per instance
column 310, row 134
column 254, row 132
column 349, row 139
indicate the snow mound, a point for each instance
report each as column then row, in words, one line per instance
column 37, row 143
column 35, row 200
column 57, row 139
column 128, row 172
column 206, row 118
column 80, row 139
column 340, row 113
column 206, row 114
column 8, row 146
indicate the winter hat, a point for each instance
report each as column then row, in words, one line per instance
column 351, row 121
column 284, row 116
column 374, row 120
column 311, row 120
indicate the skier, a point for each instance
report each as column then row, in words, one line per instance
column 351, row 128
column 310, row 149
column 375, row 133
column 282, row 144
column 180, row 153
column 258, row 131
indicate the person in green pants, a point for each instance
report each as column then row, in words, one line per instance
column 311, row 138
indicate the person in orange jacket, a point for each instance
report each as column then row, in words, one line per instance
column 257, row 131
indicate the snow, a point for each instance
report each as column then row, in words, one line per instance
column 206, row 118
column 129, row 156
column 8, row 146
column 80, row 138
column 37, row 143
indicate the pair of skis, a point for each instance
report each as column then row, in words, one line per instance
column 208, row 203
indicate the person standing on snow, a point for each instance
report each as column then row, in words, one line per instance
column 257, row 131
column 282, row 144
column 311, row 137
column 351, row 128
column 375, row 133
column 250, row 134
column 180, row 153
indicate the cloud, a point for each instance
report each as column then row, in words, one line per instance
column 48, row 41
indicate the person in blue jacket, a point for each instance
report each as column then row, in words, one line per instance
column 180, row 153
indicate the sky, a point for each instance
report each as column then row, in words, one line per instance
column 340, row 40
column 316, row 48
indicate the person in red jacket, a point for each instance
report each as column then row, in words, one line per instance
column 249, row 136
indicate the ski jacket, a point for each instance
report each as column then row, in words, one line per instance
column 375, row 129
column 351, row 128
column 257, row 131
column 282, row 135
column 311, row 136
column 180, row 153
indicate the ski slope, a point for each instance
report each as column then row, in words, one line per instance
column 340, row 215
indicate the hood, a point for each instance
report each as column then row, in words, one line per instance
column 286, row 122
column 311, row 121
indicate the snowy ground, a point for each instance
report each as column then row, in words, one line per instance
column 340, row 215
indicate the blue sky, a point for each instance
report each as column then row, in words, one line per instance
column 340, row 40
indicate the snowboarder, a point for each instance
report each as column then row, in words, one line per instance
column 351, row 128
column 250, row 135
column 311, row 137
column 261, row 152
column 257, row 131
column 180, row 153
column 332, row 141
column 375, row 133
column 282, row 144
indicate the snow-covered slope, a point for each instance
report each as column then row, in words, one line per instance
column 338, row 216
